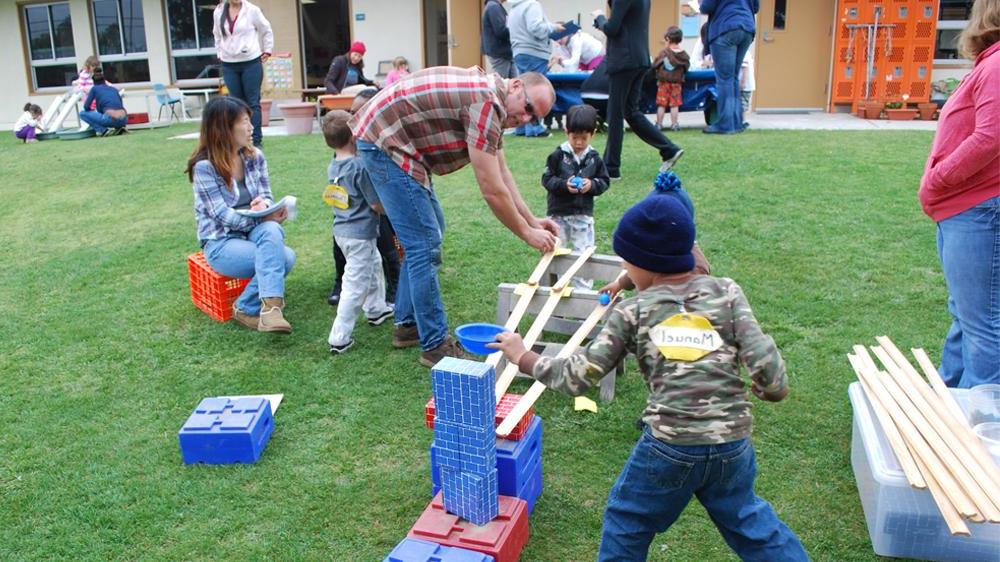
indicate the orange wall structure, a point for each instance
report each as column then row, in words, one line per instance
column 903, row 50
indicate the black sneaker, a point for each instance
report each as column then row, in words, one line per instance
column 338, row 349
column 669, row 162
column 378, row 320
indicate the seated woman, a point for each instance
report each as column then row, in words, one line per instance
column 347, row 70
column 108, row 115
column 228, row 173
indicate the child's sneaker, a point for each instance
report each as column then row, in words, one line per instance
column 675, row 127
column 378, row 320
column 669, row 162
column 338, row 349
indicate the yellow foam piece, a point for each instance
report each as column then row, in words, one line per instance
column 581, row 403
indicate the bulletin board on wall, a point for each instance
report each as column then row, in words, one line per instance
column 884, row 49
column 278, row 73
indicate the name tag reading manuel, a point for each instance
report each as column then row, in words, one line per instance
column 685, row 337
column 336, row 196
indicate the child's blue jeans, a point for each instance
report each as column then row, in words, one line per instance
column 659, row 480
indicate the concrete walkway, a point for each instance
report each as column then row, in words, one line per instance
column 758, row 121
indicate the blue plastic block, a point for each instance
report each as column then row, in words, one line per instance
column 463, row 392
column 416, row 550
column 472, row 497
column 532, row 488
column 516, row 459
column 223, row 431
column 465, row 448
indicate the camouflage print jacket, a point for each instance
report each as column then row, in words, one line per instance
column 690, row 403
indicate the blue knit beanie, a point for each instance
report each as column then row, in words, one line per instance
column 656, row 234
column 667, row 183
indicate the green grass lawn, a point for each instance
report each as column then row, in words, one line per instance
column 103, row 356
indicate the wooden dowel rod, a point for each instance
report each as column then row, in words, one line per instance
column 983, row 491
column 913, row 475
column 951, row 516
column 942, row 448
column 984, row 467
column 937, row 383
column 528, row 400
column 918, row 446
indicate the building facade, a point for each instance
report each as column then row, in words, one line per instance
column 146, row 42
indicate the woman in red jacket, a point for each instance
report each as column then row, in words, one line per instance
column 960, row 190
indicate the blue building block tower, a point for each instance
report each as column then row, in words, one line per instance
column 224, row 431
column 465, row 438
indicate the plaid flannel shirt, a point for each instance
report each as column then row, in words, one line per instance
column 427, row 121
column 213, row 202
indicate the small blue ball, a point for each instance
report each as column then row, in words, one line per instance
column 604, row 299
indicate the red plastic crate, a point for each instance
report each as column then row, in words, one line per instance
column 503, row 538
column 211, row 291
column 137, row 118
column 506, row 404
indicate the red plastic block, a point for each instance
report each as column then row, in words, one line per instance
column 137, row 118
column 503, row 538
column 211, row 291
column 504, row 407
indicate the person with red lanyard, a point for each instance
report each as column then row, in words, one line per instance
column 960, row 191
column 243, row 41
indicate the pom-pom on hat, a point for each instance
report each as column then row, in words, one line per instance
column 656, row 234
column 357, row 47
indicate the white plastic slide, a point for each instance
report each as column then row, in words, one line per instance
column 64, row 111
column 53, row 110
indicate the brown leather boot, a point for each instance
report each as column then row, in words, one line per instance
column 405, row 336
column 244, row 319
column 448, row 348
column 271, row 318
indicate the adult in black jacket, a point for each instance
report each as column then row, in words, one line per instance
column 495, row 42
column 347, row 70
column 628, row 61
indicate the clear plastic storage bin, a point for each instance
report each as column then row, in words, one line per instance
column 904, row 521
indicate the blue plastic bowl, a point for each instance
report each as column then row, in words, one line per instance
column 474, row 337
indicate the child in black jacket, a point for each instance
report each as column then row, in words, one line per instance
column 574, row 175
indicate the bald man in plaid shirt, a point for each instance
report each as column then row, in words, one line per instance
column 434, row 122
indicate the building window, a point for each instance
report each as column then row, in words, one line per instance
column 953, row 17
column 780, row 10
column 120, row 31
column 49, row 31
column 192, row 46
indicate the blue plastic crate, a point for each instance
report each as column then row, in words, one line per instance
column 416, row 550
column 472, row 497
column 463, row 392
column 532, row 488
column 516, row 459
column 224, row 431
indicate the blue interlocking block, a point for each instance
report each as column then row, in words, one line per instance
column 463, row 392
column 416, row 550
column 516, row 459
column 465, row 448
column 472, row 497
column 223, row 431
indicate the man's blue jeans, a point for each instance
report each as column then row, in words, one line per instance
column 243, row 80
column 728, row 51
column 100, row 122
column 530, row 63
column 262, row 256
column 416, row 215
column 969, row 248
column 659, row 480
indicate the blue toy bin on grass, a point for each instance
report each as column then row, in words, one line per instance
column 474, row 337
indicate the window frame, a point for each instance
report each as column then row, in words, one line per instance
column 124, row 56
column 199, row 51
column 950, row 25
column 54, row 61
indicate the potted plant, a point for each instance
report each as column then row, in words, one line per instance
column 897, row 110
column 872, row 109
column 927, row 110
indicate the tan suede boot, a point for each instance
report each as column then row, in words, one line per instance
column 271, row 318
column 244, row 319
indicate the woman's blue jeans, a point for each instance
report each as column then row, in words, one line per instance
column 416, row 215
column 659, row 480
column 262, row 256
column 243, row 79
column 728, row 51
column 530, row 63
column 969, row 248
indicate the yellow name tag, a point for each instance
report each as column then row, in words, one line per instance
column 685, row 337
column 336, row 196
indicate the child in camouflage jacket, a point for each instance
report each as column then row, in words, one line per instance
column 689, row 333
